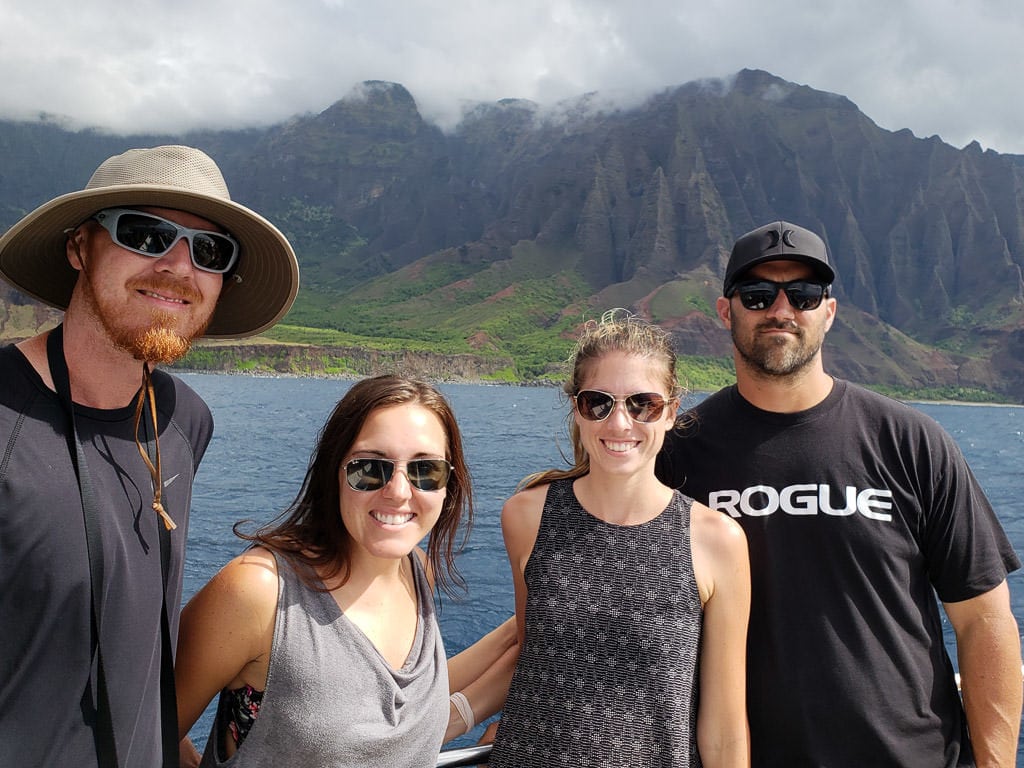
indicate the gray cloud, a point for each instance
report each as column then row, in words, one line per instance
column 935, row 66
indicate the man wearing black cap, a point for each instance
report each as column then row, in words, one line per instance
column 858, row 511
column 98, row 451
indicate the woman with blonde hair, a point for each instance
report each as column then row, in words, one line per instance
column 631, row 599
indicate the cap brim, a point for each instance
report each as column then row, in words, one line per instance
column 821, row 269
column 262, row 287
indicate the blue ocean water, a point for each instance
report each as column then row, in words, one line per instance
column 266, row 428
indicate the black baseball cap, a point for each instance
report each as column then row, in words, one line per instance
column 778, row 241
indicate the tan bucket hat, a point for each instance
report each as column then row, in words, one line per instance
column 262, row 286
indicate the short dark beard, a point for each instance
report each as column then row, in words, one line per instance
column 774, row 361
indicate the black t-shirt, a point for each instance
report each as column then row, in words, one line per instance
column 857, row 513
column 44, row 568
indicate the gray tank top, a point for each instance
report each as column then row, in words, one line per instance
column 607, row 675
column 331, row 698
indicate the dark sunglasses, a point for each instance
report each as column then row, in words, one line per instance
column 594, row 405
column 803, row 295
column 374, row 474
column 150, row 235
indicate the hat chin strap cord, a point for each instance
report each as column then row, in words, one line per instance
column 146, row 394
column 103, row 732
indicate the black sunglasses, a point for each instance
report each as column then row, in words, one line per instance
column 594, row 405
column 803, row 295
column 151, row 235
column 374, row 474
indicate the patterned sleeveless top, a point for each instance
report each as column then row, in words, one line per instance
column 607, row 675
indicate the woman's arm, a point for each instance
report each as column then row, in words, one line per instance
column 225, row 634
column 483, row 676
column 722, row 568
column 485, row 694
column 520, row 521
column 477, row 659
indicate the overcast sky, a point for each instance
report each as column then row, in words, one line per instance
column 947, row 67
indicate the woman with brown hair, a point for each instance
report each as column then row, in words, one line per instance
column 321, row 640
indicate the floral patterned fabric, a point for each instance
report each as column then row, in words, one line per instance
column 237, row 710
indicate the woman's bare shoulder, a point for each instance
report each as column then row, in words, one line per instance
column 716, row 531
column 524, row 506
column 249, row 578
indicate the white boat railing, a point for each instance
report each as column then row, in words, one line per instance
column 451, row 758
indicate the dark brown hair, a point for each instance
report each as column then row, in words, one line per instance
column 310, row 529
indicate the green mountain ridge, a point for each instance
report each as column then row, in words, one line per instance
column 496, row 240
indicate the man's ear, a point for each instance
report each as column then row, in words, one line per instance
column 73, row 248
column 724, row 308
column 831, row 307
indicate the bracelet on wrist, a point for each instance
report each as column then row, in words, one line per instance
column 465, row 710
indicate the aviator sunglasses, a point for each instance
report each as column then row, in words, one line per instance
column 151, row 235
column 374, row 474
column 594, row 405
column 803, row 295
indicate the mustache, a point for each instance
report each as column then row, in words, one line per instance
column 169, row 286
column 779, row 325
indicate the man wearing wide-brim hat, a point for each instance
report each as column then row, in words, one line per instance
column 98, row 450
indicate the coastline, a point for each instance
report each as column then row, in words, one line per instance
column 264, row 374
column 348, row 376
column 916, row 401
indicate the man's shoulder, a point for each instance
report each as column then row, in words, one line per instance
column 893, row 425
column 183, row 406
column 717, row 405
column 860, row 393
column 703, row 418
column 177, row 393
column 886, row 408
column 722, row 399
column 10, row 356
column 847, row 403
column 18, row 380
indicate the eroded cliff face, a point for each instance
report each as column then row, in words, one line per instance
column 518, row 219
column 352, row 362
